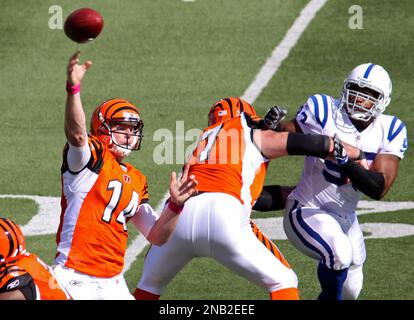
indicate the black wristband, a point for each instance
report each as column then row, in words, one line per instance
column 368, row 182
column 270, row 199
column 361, row 155
column 308, row 145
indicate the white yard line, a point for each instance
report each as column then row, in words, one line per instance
column 279, row 54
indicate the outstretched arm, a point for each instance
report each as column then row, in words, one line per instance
column 278, row 144
column 75, row 124
column 374, row 182
column 387, row 165
column 180, row 192
column 273, row 120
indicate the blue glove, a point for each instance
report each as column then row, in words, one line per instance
column 341, row 157
column 274, row 117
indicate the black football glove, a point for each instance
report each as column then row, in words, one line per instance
column 274, row 117
column 341, row 157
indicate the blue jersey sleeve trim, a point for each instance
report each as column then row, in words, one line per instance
column 325, row 109
column 391, row 133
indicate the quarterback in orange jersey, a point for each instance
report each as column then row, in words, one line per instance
column 101, row 193
column 23, row 275
column 229, row 164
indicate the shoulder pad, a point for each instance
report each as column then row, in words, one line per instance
column 319, row 105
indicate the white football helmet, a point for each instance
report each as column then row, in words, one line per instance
column 354, row 98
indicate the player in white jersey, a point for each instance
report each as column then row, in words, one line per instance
column 320, row 215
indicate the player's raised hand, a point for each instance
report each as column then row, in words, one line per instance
column 76, row 71
column 181, row 190
column 274, row 117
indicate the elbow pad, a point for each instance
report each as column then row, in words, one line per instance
column 368, row 182
column 308, row 145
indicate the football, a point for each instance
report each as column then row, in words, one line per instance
column 83, row 25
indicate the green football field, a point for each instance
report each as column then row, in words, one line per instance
column 174, row 59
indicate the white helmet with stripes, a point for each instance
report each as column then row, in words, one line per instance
column 366, row 92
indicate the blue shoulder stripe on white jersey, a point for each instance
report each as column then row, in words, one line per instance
column 391, row 133
column 325, row 110
column 368, row 71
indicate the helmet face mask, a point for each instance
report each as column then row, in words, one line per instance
column 118, row 124
column 366, row 92
column 362, row 104
column 125, row 136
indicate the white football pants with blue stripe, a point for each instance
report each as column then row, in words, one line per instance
column 334, row 240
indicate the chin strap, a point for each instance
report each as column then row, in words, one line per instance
column 119, row 151
column 355, row 116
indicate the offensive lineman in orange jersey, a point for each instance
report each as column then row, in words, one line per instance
column 229, row 164
column 23, row 275
column 100, row 193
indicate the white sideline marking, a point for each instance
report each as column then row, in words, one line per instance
column 46, row 221
column 261, row 80
column 281, row 52
column 387, row 230
column 273, row 227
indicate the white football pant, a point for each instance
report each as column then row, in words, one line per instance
column 215, row 225
column 84, row 287
column 335, row 240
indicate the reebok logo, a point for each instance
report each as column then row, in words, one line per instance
column 76, row 283
column 13, row 285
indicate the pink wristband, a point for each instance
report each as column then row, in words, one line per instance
column 72, row 89
column 174, row 207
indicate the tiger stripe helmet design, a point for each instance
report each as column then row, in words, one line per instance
column 12, row 241
column 112, row 112
column 228, row 108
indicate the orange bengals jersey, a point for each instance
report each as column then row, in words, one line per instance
column 96, row 203
column 29, row 274
column 226, row 160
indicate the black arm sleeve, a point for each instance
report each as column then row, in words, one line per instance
column 308, row 145
column 270, row 199
column 368, row 182
column 29, row 291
